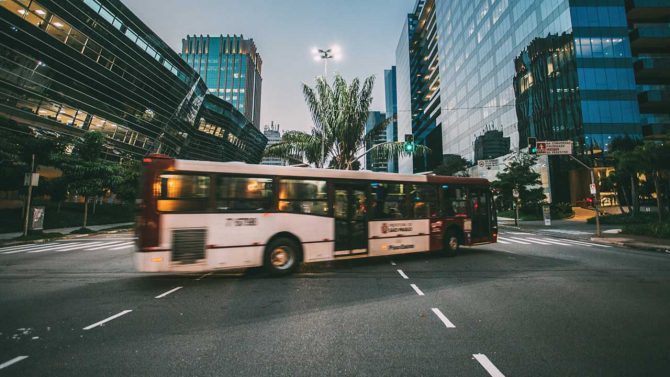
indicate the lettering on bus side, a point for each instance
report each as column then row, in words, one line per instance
column 396, row 227
column 242, row 221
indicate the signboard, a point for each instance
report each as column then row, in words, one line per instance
column 546, row 213
column 592, row 187
column 561, row 147
column 37, row 218
column 31, row 179
column 515, row 193
column 487, row 164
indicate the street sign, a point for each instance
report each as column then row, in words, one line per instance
column 487, row 164
column 546, row 213
column 37, row 218
column 592, row 187
column 560, row 147
column 515, row 193
column 31, row 179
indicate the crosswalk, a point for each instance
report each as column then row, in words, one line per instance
column 533, row 239
column 62, row 246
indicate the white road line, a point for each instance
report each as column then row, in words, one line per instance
column 47, row 248
column 550, row 241
column 204, row 276
column 77, row 246
column 488, row 365
column 34, row 247
column 417, row 290
column 584, row 243
column 502, row 242
column 107, row 319
column 392, row 263
column 124, row 246
column 168, row 292
column 106, row 245
column 517, row 233
column 20, row 247
column 443, row 318
column 530, row 240
column 403, row 274
column 515, row 241
column 12, row 361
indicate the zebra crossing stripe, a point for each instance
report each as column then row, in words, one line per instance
column 513, row 240
column 531, row 241
column 106, row 245
column 551, row 241
column 502, row 242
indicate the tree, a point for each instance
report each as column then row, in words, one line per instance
column 627, row 163
column 653, row 158
column 452, row 165
column 339, row 112
column 518, row 174
column 126, row 188
column 86, row 173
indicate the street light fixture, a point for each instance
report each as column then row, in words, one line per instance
column 334, row 52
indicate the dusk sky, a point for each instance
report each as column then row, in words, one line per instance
column 284, row 32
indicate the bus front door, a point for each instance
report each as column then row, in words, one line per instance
column 351, row 227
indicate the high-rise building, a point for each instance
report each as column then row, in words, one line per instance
column 490, row 145
column 373, row 162
column 554, row 69
column 231, row 68
column 404, row 90
column 273, row 134
column 70, row 67
column 391, row 96
column 424, row 83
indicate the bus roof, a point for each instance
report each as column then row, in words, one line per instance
column 289, row 171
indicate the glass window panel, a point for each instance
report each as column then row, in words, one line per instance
column 455, row 201
column 117, row 23
column 66, row 115
column 93, row 4
column 131, row 35
column 302, row 189
column 237, row 193
column 596, row 48
column 106, row 15
column 76, row 40
column 58, row 29
column 312, row 207
column 92, row 50
column 178, row 186
column 48, row 110
column 389, row 201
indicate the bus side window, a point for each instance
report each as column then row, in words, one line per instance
column 303, row 196
column 183, row 193
column 455, row 201
column 244, row 194
column 423, row 199
column 389, row 201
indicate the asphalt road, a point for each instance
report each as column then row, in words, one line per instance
column 532, row 305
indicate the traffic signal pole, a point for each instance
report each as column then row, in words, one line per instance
column 596, row 200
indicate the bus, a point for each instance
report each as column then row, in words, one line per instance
column 201, row 216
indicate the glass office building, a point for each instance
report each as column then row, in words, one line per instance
column 373, row 162
column 404, row 90
column 391, row 97
column 72, row 67
column 553, row 69
column 231, row 68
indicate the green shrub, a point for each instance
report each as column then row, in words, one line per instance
column 658, row 230
column 623, row 219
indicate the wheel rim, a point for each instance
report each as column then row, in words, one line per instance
column 281, row 258
column 453, row 243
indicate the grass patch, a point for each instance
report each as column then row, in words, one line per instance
column 70, row 215
column 657, row 230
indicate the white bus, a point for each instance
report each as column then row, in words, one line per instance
column 203, row 216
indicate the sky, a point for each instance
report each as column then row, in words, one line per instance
column 285, row 31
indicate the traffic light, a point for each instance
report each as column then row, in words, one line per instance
column 532, row 145
column 409, row 143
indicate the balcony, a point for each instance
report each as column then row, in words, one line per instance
column 652, row 71
column 647, row 10
column 654, row 101
column 650, row 39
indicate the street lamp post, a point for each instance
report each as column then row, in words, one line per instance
column 325, row 55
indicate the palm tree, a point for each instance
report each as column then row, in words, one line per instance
column 340, row 113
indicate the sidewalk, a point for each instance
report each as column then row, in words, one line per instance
column 9, row 236
column 635, row 242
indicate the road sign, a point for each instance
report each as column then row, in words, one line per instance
column 487, row 164
column 31, row 179
column 559, row 147
column 546, row 213
column 592, row 187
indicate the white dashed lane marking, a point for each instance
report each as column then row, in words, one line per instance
column 107, row 320
column 168, row 292
column 417, row 290
column 443, row 318
column 512, row 240
column 488, row 365
column 12, row 361
column 403, row 274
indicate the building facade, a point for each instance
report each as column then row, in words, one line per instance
column 273, row 134
column 373, row 162
column 231, row 68
column 404, row 90
column 391, row 97
column 73, row 67
column 584, row 70
column 490, row 145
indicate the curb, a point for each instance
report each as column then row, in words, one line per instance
column 634, row 245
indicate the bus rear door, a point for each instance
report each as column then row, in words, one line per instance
column 350, row 212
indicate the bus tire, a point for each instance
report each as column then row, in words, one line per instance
column 452, row 243
column 282, row 256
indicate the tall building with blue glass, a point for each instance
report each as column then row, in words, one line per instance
column 552, row 69
column 391, row 97
column 231, row 68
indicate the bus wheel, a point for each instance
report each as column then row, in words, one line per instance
column 451, row 243
column 281, row 256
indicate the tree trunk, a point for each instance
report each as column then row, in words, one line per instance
column 85, row 211
column 659, row 200
column 95, row 203
column 633, row 195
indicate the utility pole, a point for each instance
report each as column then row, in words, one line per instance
column 28, row 199
column 595, row 192
column 325, row 55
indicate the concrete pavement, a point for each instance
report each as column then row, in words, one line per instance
column 530, row 305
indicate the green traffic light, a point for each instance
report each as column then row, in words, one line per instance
column 409, row 147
